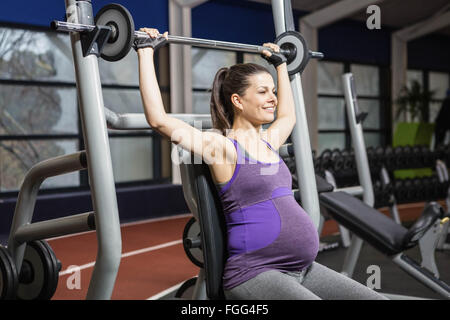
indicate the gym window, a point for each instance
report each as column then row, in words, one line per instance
column 333, row 128
column 39, row 115
column 439, row 82
column 205, row 63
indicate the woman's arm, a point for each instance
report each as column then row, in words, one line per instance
column 281, row 128
column 209, row 145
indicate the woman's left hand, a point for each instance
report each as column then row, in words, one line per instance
column 274, row 56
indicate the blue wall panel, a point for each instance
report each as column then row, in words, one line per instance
column 42, row 12
column 234, row 20
column 430, row 52
column 352, row 41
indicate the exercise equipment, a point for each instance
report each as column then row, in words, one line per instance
column 337, row 160
column 8, row 275
column 192, row 242
column 186, row 290
column 120, row 40
column 114, row 34
column 39, row 274
column 380, row 231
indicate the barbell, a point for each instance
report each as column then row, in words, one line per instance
column 118, row 20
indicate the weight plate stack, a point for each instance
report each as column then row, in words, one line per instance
column 39, row 274
column 8, row 275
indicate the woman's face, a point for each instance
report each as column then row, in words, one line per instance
column 258, row 104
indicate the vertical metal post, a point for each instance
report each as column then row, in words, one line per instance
column 283, row 20
column 98, row 158
column 362, row 165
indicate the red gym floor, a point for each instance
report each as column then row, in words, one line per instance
column 153, row 260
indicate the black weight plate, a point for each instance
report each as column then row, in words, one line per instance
column 54, row 276
column 8, row 275
column 118, row 17
column 294, row 39
column 44, row 272
column 192, row 230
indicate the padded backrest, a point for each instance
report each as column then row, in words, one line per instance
column 201, row 195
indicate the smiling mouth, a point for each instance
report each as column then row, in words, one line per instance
column 270, row 109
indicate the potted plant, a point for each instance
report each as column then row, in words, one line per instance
column 413, row 106
column 414, row 102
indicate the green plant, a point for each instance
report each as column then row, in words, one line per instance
column 415, row 101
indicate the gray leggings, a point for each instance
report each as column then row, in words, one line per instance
column 315, row 283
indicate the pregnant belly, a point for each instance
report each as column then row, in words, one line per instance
column 277, row 231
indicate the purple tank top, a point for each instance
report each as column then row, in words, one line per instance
column 267, row 229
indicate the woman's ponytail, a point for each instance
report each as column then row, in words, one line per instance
column 221, row 111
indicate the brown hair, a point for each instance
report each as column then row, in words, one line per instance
column 227, row 82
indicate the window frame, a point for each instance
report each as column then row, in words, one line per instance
column 83, row 175
column 383, row 97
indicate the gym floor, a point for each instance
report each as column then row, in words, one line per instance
column 154, row 262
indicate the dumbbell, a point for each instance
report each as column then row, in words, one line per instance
column 337, row 161
column 399, row 158
column 401, row 191
column 407, row 187
column 349, row 160
column 379, row 156
column 416, row 157
column 377, row 192
column 434, row 187
column 427, row 157
column 427, row 188
column 325, row 160
column 389, row 158
column 419, row 190
column 408, row 157
column 371, row 156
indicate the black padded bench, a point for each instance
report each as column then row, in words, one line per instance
column 374, row 227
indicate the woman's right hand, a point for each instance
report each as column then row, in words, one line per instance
column 154, row 40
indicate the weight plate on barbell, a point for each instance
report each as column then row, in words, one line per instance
column 192, row 231
column 294, row 41
column 39, row 274
column 121, row 39
column 8, row 275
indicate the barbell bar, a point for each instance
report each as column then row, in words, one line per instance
column 120, row 23
column 78, row 27
column 235, row 46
